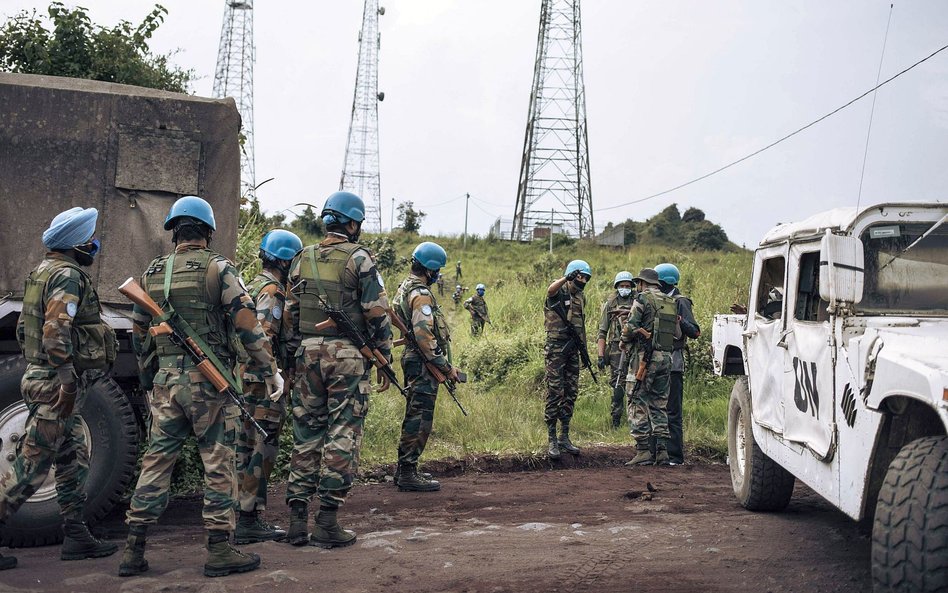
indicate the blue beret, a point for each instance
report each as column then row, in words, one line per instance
column 70, row 228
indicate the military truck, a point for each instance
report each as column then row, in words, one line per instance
column 842, row 379
column 130, row 152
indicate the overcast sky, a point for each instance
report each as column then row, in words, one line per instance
column 673, row 90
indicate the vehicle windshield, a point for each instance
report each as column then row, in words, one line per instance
column 900, row 282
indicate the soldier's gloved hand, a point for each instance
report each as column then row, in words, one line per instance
column 453, row 375
column 65, row 400
column 601, row 362
column 572, row 275
column 275, row 386
column 624, row 346
column 383, row 381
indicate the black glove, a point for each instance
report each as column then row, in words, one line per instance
column 572, row 275
column 601, row 363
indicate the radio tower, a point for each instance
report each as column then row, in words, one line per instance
column 554, row 188
column 234, row 78
column 360, row 172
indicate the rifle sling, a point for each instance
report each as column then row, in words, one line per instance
column 178, row 323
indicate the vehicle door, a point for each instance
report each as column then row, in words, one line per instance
column 808, row 392
column 764, row 331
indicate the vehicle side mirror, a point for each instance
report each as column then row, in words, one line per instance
column 842, row 269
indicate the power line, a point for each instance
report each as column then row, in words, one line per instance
column 776, row 142
column 872, row 111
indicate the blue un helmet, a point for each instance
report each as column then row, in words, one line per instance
column 578, row 265
column 192, row 207
column 342, row 207
column 668, row 273
column 622, row 276
column 280, row 244
column 480, row 288
column 430, row 255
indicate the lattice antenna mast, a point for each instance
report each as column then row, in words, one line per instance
column 360, row 172
column 234, row 78
column 554, row 189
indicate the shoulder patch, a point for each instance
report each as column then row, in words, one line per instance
column 426, row 309
column 277, row 312
column 378, row 275
column 71, row 309
column 424, row 291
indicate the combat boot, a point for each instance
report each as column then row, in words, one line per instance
column 250, row 529
column 7, row 562
column 616, row 422
column 276, row 529
column 327, row 532
column 564, row 442
column 553, row 451
column 661, row 452
column 410, row 480
column 398, row 474
column 297, row 535
column 133, row 558
column 79, row 544
column 224, row 559
column 642, row 457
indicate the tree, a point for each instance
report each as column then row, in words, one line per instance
column 706, row 235
column 692, row 215
column 410, row 218
column 308, row 223
column 77, row 48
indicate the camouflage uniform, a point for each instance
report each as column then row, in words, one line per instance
column 477, row 306
column 562, row 354
column 647, row 403
column 256, row 456
column 206, row 291
column 615, row 311
column 419, row 310
column 62, row 335
column 332, row 377
column 689, row 329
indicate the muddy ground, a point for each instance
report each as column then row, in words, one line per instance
column 495, row 529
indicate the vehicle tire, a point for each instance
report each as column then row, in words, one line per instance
column 112, row 436
column 759, row 482
column 910, row 532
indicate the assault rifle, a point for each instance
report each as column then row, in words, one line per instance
column 645, row 337
column 182, row 335
column 440, row 377
column 580, row 343
column 342, row 322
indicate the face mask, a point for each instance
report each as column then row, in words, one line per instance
column 432, row 276
column 579, row 284
column 480, row 293
column 625, row 292
column 85, row 254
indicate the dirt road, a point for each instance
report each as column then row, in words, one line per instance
column 560, row 529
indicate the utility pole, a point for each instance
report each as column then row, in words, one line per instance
column 552, row 214
column 392, row 227
column 360, row 171
column 233, row 77
column 467, row 198
column 554, row 168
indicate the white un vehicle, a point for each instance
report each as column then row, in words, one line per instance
column 842, row 379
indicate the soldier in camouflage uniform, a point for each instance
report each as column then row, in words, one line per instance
column 256, row 456
column 564, row 298
column 61, row 336
column 477, row 307
column 205, row 291
column 331, row 397
column 653, row 327
column 419, row 311
column 615, row 311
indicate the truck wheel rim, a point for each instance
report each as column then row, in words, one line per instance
column 12, row 424
column 740, row 443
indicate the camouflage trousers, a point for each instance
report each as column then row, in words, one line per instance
column 648, row 416
column 562, row 381
column 329, row 406
column 618, row 393
column 182, row 404
column 256, row 456
column 419, row 411
column 47, row 439
column 477, row 325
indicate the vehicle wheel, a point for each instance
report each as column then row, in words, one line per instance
column 759, row 482
column 910, row 532
column 112, row 435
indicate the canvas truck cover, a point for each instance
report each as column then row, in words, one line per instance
column 128, row 151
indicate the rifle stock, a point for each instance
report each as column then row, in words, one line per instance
column 135, row 293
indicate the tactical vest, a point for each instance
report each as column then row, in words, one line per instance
column 93, row 342
column 618, row 309
column 324, row 274
column 254, row 289
column 400, row 305
column 186, row 287
column 665, row 321
column 573, row 304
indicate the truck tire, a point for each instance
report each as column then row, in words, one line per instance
column 112, row 436
column 910, row 531
column 759, row 482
